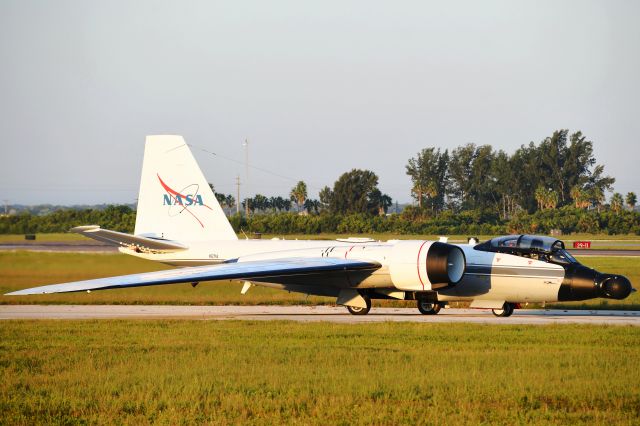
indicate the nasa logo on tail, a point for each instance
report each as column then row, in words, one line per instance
column 182, row 200
column 188, row 200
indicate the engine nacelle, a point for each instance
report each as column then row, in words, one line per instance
column 426, row 265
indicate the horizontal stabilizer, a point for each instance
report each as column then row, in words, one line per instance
column 134, row 242
column 265, row 270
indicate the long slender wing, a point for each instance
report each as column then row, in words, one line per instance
column 262, row 270
column 145, row 244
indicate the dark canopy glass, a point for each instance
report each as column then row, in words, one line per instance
column 522, row 243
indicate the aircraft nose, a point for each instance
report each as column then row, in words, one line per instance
column 615, row 286
column 582, row 283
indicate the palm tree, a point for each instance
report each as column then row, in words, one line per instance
column 259, row 202
column 312, row 205
column 299, row 194
column 385, row 203
column 279, row 203
column 631, row 200
column 380, row 202
column 541, row 195
column 579, row 197
column 616, row 202
column 597, row 196
column 222, row 199
column 551, row 199
column 230, row 201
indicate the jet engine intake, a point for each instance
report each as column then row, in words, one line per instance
column 445, row 264
column 426, row 265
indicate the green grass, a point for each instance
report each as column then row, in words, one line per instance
column 194, row 372
column 53, row 237
column 23, row 269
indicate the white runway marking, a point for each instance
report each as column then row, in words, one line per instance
column 315, row 314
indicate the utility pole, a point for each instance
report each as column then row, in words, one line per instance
column 238, row 194
column 6, row 207
column 245, row 144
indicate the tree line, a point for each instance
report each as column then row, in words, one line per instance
column 354, row 192
column 556, row 184
column 567, row 219
column 561, row 170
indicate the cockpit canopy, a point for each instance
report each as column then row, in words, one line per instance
column 540, row 247
column 512, row 243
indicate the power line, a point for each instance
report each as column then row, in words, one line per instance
column 246, row 164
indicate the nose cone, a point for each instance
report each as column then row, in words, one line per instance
column 615, row 286
column 582, row 283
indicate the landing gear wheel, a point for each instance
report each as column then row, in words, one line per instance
column 353, row 310
column 428, row 308
column 506, row 311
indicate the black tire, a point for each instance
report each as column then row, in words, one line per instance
column 360, row 311
column 506, row 311
column 428, row 308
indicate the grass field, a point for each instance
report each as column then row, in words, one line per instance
column 55, row 237
column 23, row 269
column 186, row 372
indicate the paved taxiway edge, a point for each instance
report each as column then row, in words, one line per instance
column 314, row 314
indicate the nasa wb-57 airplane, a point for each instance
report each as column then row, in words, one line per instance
column 179, row 222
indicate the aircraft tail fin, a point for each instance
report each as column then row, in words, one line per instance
column 175, row 200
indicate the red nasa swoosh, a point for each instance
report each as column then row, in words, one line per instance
column 173, row 193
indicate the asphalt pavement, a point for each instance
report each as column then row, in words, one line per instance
column 331, row 314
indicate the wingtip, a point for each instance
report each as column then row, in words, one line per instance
column 84, row 228
column 26, row 292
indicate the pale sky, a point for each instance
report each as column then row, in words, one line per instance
column 318, row 88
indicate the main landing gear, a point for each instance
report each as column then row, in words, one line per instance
column 353, row 310
column 428, row 308
column 506, row 311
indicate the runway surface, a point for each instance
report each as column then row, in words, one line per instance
column 315, row 314
column 97, row 247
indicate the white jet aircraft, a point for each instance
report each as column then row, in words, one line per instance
column 179, row 222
